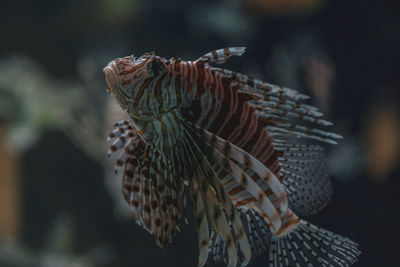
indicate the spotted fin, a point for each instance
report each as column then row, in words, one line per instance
column 154, row 205
column 221, row 55
column 308, row 245
column 201, row 223
column 305, row 179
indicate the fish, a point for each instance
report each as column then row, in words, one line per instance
column 247, row 153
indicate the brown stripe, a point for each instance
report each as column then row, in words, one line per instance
column 141, row 92
column 178, row 89
column 236, row 190
column 245, row 201
column 125, row 82
column 286, row 225
column 227, row 52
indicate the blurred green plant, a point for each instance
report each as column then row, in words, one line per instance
column 117, row 11
column 283, row 7
column 227, row 21
column 32, row 102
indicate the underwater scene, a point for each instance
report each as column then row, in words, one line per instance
column 199, row 133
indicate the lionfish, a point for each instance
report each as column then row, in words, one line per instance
column 241, row 149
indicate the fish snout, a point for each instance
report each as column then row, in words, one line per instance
column 112, row 77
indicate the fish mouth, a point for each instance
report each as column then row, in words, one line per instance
column 112, row 77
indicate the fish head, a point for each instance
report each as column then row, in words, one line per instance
column 127, row 76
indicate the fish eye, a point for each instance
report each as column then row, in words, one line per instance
column 155, row 67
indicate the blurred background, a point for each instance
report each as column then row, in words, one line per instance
column 60, row 202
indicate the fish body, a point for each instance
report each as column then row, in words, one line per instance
column 238, row 144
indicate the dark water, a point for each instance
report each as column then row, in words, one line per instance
column 355, row 45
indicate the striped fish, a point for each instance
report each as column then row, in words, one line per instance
column 246, row 150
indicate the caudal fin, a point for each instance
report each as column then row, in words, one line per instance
column 308, row 245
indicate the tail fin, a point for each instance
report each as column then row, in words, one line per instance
column 308, row 245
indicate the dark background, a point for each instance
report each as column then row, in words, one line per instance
column 345, row 54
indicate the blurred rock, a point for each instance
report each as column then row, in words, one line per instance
column 383, row 141
column 9, row 190
column 319, row 76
